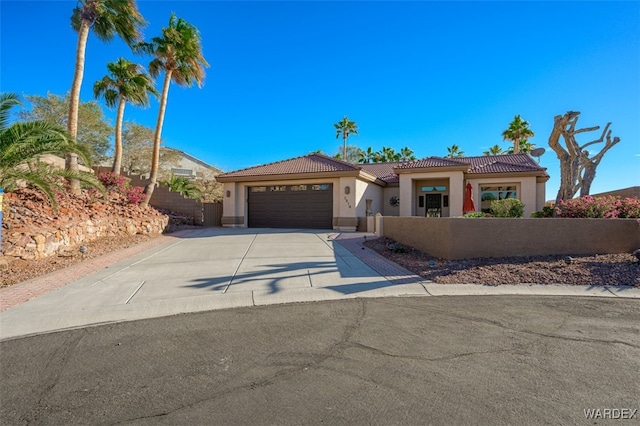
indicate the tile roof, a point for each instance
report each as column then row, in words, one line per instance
column 433, row 162
column 312, row 163
column 319, row 163
column 509, row 163
column 383, row 171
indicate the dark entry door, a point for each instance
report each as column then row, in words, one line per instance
column 291, row 206
column 434, row 205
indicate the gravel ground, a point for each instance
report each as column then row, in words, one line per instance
column 605, row 269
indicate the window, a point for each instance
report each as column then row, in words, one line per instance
column 437, row 188
column 298, row 187
column 278, row 188
column 321, row 187
column 494, row 192
column 258, row 189
column 182, row 172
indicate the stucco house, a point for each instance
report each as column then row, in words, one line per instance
column 316, row 191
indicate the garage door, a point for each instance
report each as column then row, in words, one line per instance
column 291, row 206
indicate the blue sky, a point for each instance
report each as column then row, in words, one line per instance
column 420, row 74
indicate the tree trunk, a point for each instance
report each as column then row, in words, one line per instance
column 71, row 160
column 117, row 156
column 155, row 158
column 577, row 169
column 344, row 146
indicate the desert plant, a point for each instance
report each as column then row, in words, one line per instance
column 120, row 184
column 547, row 211
column 599, row 207
column 509, row 207
column 476, row 215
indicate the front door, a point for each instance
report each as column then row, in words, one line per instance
column 434, row 205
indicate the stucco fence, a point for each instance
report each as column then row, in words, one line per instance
column 460, row 238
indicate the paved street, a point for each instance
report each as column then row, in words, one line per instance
column 417, row 360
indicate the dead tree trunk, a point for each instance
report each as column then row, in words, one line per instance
column 577, row 169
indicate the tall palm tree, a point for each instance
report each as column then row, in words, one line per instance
column 106, row 18
column 22, row 144
column 494, row 150
column 346, row 128
column 128, row 82
column 406, row 154
column 388, row 154
column 518, row 132
column 178, row 52
column 454, row 151
column 525, row 146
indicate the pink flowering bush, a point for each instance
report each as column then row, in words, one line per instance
column 120, row 184
column 601, row 207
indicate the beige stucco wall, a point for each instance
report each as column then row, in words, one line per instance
column 409, row 196
column 459, row 238
column 368, row 190
column 387, row 208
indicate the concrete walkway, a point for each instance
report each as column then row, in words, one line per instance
column 220, row 268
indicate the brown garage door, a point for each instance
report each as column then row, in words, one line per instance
column 291, row 206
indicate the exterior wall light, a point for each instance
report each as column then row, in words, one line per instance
column 347, row 190
column 228, row 193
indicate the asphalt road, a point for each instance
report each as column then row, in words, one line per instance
column 445, row 360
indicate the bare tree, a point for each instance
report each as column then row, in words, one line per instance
column 577, row 168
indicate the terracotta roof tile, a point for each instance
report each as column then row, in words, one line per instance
column 312, row 163
column 383, row 171
column 432, row 162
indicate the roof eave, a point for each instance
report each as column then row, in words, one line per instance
column 432, row 169
column 290, row 176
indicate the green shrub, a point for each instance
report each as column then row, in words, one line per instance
column 476, row 215
column 509, row 207
column 547, row 211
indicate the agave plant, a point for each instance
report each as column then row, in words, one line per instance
column 23, row 143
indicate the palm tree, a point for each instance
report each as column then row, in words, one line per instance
column 107, row 18
column 454, row 151
column 368, row 156
column 184, row 186
column 346, row 128
column 494, row 150
column 22, row 144
column 525, row 146
column 387, row 154
column 128, row 82
column 518, row 132
column 178, row 52
column 406, row 154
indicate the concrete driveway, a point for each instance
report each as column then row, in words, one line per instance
column 211, row 269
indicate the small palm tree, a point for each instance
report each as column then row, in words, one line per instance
column 454, row 151
column 406, row 154
column 22, row 144
column 178, row 52
column 107, row 18
column 184, row 186
column 128, row 82
column 494, row 150
column 346, row 128
column 518, row 132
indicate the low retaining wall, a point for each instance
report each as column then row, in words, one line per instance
column 460, row 238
